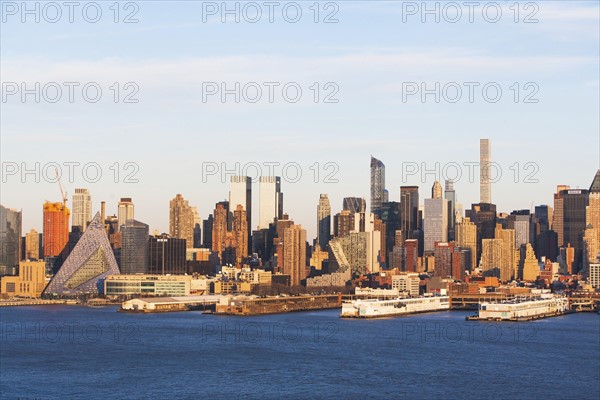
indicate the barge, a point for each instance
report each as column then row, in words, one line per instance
column 522, row 309
column 374, row 308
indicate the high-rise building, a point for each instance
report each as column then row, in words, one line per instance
column 466, row 237
column 82, row 209
column 508, row 261
column 389, row 214
column 343, row 223
column 354, row 204
column 411, row 255
column 323, row 221
column 558, row 217
column 125, row 211
column 450, row 195
column 220, row 226
column 240, row 192
column 181, row 220
column 377, row 183
column 56, row 228
column 592, row 219
column 483, row 216
column 134, row 247
column 197, row 228
column 485, row 159
column 409, row 211
column 10, row 240
column 88, row 264
column 436, row 190
column 491, row 257
column 575, row 203
column 240, row 233
column 270, row 201
column 435, row 226
column 207, row 228
column 530, row 266
column 294, row 253
column 166, row 255
column 32, row 245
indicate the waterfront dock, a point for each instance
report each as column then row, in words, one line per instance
column 35, row 302
column 522, row 309
column 243, row 305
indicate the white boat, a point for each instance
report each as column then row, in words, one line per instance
column 523, row 309
column 373, row 308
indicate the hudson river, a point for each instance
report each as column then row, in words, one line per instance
column 92, row 353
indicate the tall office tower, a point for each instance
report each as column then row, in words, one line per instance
column 166, row 255
column 134, row 247
column 354, row 204
column 485, row 158
column 450, row 195
column 466, row 237
column 377, row 183
column 491, row 257
column 436, row 190
column 86, row 267
column 508, row 260
column 197, row 228
column 181, row 220
column 82, row 209
column 343, row 223
column 220, row 226
column 10, row 240
column 484, row 217
column 409, row 211
column 390, row 216
column 379, row 227
column 443, row 259
column 592, row 217
column 435, row 226
column 32, row 245
column 294, row 253
column 207, row 228
column 521, row 221
column 240, row 192
column 240, row 226
column 323, row 221
column 558, row 217
column 124, row 211
column 364, row 222
column 575, row 203
column 270, row 201
column 56, row 228
column 530, row 266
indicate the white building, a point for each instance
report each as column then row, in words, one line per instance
column 125, row 211
column 270, row 199
column 82, row 208
column 435, row 224
column 595, row 275
column 407, row 282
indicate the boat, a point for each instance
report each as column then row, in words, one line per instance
column 522, row 309
column 375, row 308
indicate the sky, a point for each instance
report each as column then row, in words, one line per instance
column 380, row 78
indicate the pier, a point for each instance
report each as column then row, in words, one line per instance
column 273, row 305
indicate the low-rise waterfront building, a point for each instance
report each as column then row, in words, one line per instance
column 147, row 285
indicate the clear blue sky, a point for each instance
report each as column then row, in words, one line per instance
column 370, row 54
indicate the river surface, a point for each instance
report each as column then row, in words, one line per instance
column 57, row 352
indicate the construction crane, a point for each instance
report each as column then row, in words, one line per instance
column 62, row 192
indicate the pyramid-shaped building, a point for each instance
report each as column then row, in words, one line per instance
column 85, row 269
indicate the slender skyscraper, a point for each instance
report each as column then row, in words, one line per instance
column 240, row 193
column 125, row 211
column 10, row 238
column 181, row 220
column 134, row 250
column 485, row 158
column 82, row 209
column 377, row 183
column 450, row 195
column 270, row 201
column 323, row 221
column 409, row 210
column 56, row 228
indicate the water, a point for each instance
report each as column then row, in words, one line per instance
column 82, row 352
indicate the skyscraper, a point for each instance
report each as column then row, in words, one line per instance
column 124, row 211
column 56, row 228
column 294, row 253
column 82, row 209
column 181, row 220
column 485, row 158
column 450, row 195
column 323, row 221
column 220, row 226
column 134, row 247
column 377, row 183
column 575, row 202
column 354, row 204
column 241, row 193
column 240, row 232
column 10, row 239
column 483, row 216
column 409, row 210
column 166, row 255
column 592, row 218
column 197, row 228
column 270, row 201
column 508, row 260
column 207, row 228
column 558, row 217
column 466, row 237
column 435, row 226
